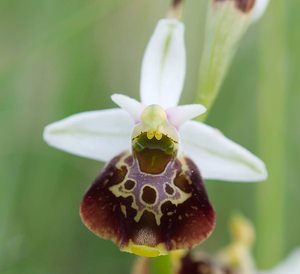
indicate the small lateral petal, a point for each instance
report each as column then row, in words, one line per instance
column 180, row 114
column 97, row 135
column 145, row 214
column 218, row 157
column 132, row 106
column 163, row 67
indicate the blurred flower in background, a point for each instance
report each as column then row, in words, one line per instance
column 236, row 258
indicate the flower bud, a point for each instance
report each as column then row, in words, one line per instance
column 227, row 21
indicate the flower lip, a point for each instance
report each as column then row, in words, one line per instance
column 165, row 143
column 145, row 251
column 155, row 223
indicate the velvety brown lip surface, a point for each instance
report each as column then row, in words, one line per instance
column 127, row 206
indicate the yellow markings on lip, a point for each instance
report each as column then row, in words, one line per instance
column 157, row 134
column 150, row 134
column 144, row 250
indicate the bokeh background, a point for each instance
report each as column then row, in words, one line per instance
column 62, row 57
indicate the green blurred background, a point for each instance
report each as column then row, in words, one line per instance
column 62, row 57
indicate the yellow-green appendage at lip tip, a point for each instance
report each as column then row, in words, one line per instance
column 146, row 251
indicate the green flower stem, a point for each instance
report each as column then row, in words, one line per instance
column 161, row 265
column 225, row 25
column 272, row 111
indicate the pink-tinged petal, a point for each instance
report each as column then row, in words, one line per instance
column 149, row 214
column 163, row 68
column 217, row 157
column 132, row 106
column 97, row 135
column 178, row 115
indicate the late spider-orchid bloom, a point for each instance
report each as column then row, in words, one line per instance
column 150, row 197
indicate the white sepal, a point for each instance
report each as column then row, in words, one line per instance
column 218, row 157
column 98, row 135
column 163, row 68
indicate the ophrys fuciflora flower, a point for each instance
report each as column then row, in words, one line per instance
column 150, row 198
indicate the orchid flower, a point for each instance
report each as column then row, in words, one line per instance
column 150, row 197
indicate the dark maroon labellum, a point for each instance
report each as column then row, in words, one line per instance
column 149, row 213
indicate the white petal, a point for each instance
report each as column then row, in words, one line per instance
column 98, row 135
column 218, row 157
column 163, row 68
column 180, row 114
column 132, row 106
column 290, row 266
column 258, row 10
